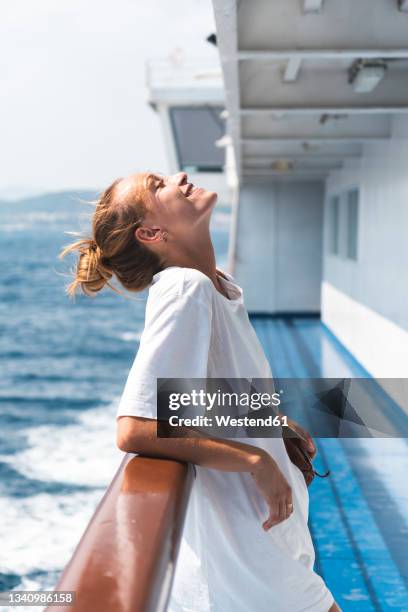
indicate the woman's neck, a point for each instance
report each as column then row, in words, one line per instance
column 199, row 256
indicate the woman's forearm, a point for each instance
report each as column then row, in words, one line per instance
column 139, row 435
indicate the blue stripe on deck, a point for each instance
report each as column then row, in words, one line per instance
column 358, row 524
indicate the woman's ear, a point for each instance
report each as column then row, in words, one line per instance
column 148, row 235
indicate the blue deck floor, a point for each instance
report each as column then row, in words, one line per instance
column 358, row 516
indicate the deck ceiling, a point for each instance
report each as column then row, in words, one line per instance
column 286, row 74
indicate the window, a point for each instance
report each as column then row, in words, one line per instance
column 195, row 131
column 334, row 225
column 343, row 224
column 352, row 223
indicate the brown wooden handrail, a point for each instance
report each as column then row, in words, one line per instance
column 126, row 557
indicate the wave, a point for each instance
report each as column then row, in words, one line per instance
column 55, row 402
column 15, row 484
column 131, row 336
column 88, row 442
column 61, row 498
column 29, row 376
column 48, row 529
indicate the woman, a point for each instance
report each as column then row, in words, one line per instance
column 153, row 231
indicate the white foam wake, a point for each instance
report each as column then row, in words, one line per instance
column 40, row 532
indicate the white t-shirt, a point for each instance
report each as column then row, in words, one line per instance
column 227, row 562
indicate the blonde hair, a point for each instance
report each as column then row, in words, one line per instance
column 113, row 249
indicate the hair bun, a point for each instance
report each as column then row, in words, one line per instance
column 117, row 252
column 91, row 275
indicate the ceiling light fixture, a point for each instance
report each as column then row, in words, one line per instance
column 312, row 6
column 364, row 76
column 332, row 117
column 282, row 165
column 309, row 146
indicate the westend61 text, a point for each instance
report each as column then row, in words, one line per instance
column 227, row 421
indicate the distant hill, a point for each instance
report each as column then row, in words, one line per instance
column 50, row 201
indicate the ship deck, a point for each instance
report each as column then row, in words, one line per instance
column 357, row 515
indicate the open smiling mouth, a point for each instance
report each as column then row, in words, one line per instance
column 190, row 189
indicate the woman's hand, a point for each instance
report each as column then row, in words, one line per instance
column 307, row 440
column 274, row 488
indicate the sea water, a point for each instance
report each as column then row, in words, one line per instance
column 64, row 365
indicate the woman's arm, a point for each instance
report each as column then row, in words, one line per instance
column 139, row 435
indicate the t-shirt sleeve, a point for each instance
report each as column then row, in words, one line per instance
column 174, row 344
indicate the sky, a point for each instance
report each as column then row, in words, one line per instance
column 73, row 110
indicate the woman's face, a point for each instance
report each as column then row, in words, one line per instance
column 177, row 201
column 178, row 208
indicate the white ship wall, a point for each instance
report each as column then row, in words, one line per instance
column 365, row 302
column 278, row 257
